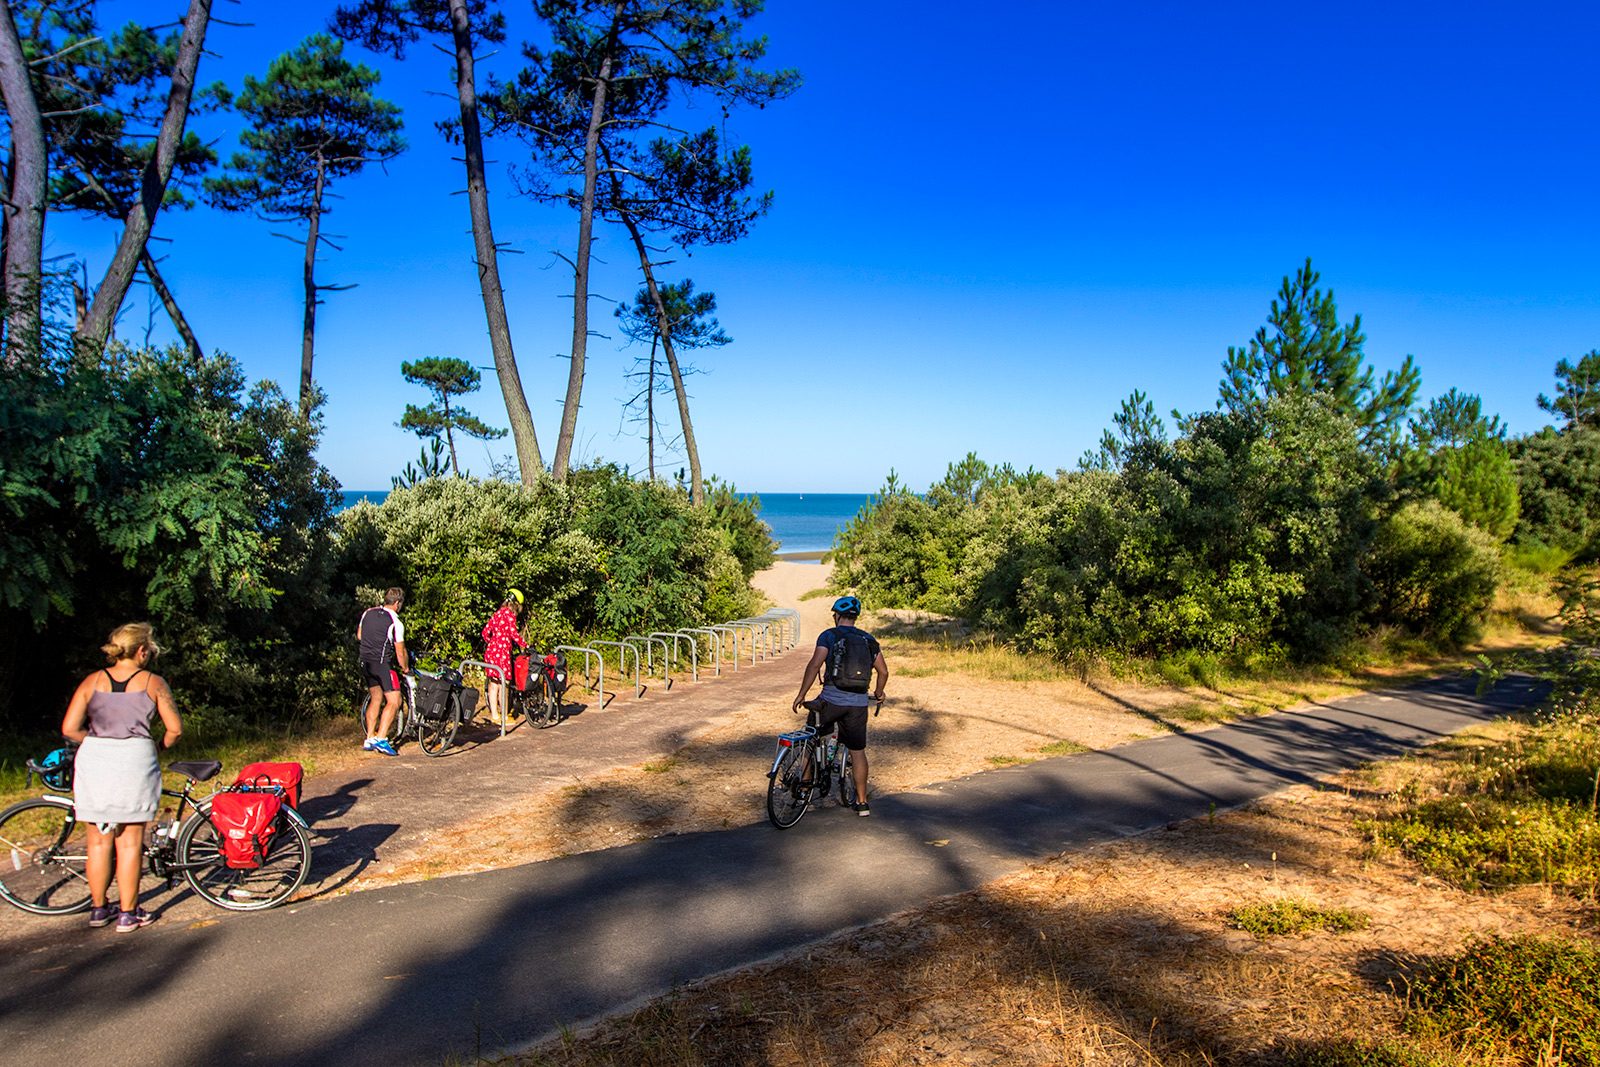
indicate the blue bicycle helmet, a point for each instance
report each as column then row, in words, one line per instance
column 847, row 605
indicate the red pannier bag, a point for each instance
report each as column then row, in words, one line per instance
column 285, row 776
column 520, row 658
column 245, row 823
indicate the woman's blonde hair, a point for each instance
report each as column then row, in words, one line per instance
column 127, row 639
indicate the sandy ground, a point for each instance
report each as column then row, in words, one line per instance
column 943, row 720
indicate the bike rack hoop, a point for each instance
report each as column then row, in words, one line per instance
column 622, row 661
column 600, row 675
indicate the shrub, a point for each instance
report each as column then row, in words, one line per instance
column 1281, row 917
column 1558, row 480
column 1432, row 572
column 600, row 556
column 738, row 518
column 1525, row 1000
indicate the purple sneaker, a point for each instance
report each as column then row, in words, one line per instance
column 129, row 921
column 104, row 915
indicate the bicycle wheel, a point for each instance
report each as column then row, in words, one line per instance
column 43, row 856
column 787, row 799
column 847, row 778
column 435, row 737
column 548, row 710
column 283, row 870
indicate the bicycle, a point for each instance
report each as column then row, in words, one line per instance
column 536, row 696
column 798, row 778
column 439, row 705
column 44, row 851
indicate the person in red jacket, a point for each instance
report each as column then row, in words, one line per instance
column 500, row 636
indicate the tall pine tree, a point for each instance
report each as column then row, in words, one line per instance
column 313, row 119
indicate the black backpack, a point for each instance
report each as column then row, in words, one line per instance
column 850, row 660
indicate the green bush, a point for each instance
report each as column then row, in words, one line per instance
column 739, row 520
column 1558, row 480
column 1432, row 572
column 1523, row 1000
column 598, row 556
column 1478, row 481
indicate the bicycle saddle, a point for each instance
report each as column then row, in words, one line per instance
column 202, row 770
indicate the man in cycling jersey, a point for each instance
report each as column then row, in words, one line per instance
column 382, row 637
column 848, row 654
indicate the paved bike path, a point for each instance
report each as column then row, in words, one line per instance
column 486, row 962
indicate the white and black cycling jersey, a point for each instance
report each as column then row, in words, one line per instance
column 380, row 630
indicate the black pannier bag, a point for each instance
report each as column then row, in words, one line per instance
column 433, row 697
column 555, row 665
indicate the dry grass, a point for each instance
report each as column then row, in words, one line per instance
column 1123, row 955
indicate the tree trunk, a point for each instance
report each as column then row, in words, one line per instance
column 113, row 288
column 697, row 489
column 650, row 408
column 308, row 330
column 580, row 272
column 529, row 461
column 449, row 435
column 24, row 208
column 170, row 302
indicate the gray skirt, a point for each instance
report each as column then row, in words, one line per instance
column 116, row 780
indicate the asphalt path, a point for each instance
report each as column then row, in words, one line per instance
column 479, row 964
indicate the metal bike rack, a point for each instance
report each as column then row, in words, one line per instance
column 760, row 638
column 622, row 661
column 490, row 670
column 735, row 624
column 676, row 636
column 649, row 644
column 735, row 634
column 788, row 619
column 716, row 645
column 600, row 683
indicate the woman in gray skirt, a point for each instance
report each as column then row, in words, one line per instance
column 116, row 779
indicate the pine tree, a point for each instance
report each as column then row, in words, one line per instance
column 1577, row 396
column 1304, row 349
column 691, row 323
column 445, row 377
column 313, row 119
column 391, row 26
column 592, row 109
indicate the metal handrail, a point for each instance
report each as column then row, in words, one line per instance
column 600, row 684
column 622, row 661
column 716, row 645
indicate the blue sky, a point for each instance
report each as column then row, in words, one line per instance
column 990, row 226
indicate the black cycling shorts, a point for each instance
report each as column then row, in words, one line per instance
column 852, row 722
column 379, row 674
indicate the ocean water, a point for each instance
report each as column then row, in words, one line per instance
column 801, row 522
column 808, row 522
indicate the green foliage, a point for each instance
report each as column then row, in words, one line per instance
column 430, row 464
column 1431, row 572
column 445, row 377
column 150, row 486
column 1282, row 917
column 1477, row 481
column 1303, row 349
column 1577, row 398
column 737, row 518
column 313, row 118
column 1520, row 1000
column 598, row 556
column 1558, row 478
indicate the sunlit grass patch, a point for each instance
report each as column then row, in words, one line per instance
column 1062, row 748
column 660, row 766
column 1279, row 918
column 1522, row 1000
column 1355, row 1052
column 1009, row 761
column 923, row 655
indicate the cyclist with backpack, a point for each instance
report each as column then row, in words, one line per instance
column 848, row 658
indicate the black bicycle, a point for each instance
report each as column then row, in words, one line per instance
column 44, row 850
column 542, row 683
column 442, row 702
column 803, row 769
